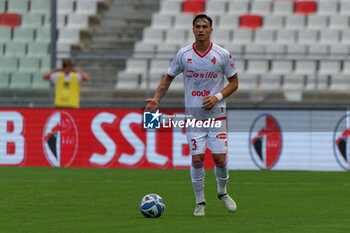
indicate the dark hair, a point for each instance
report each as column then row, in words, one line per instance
column 66, row 63
column 202, row 16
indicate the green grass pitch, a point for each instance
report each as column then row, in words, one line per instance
column 34, row 199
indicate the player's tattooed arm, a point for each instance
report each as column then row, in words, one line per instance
column 152, row 104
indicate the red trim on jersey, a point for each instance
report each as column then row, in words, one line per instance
column 194, row 49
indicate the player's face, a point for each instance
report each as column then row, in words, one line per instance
column 202, row 30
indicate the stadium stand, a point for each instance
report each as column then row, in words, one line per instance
column 284, row 49
column 280, row 46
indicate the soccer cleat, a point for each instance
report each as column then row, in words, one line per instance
column 200, row 209
column 229, row 203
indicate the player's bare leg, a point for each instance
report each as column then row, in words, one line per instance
column 197, row 176
column 221, row 173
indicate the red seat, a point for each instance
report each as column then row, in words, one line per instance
column 305, row 7
column 250, row 21
column 10, row 19
column 193, row 6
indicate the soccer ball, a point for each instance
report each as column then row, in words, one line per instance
column 152, row 206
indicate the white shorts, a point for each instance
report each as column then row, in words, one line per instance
column 214, row 139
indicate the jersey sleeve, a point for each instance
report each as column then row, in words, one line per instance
column 176, row 65
column 229, row 66
column 54, row 77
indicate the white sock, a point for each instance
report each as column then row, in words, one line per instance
column 197, row 177
column 221, row 173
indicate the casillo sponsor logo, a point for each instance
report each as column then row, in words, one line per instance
column 200, row 93
column 204, row 74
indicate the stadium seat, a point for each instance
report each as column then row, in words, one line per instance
column 307, row 36
column 5, row 34
column 42, row 7
column 293, row 82
column 305, row 7
column 238, row 7
column 2, row 5
column 20, row 80
column 166, row 51
column 327, row 8
column 160, row 21
column 242, row 36
column 17, row 6
column 86, row 7
column 21, row 34
column 4, row 79
column 346, row 68
column 345, row 36
column 8, row 63
column 270, row 82
column 339, row 50
column 305, row 67
column 214, row 8
column 296, row 50
column 317, row 21
column 250, row 21
column 344, row 7
column 68, row 35
column 273, row 21
column 221, row 36
column 257, row 66
column 329, row 36
column 43, row 35
column 317, row 50
column 286, row 36
column 77, row 21
column 282, row 7
column 10, row 19
column 65, row 7
column 281, row 66
column 152, row 35
column 183, row 21
column 29, row 64
column 175, row 36
column 248, row 82
column 45, row 64
column 193, row 6
column 30, row 20
column 275, row 50
column 329, row 67
column 128, row 81
column 15, row 49
column 143, row 50
column 38, row 49
column 170, row 7
column 295, row 21
column 254, row 50
column 339, row 82
column 264, row 36
column 38, row 82
column 228, row 21
column 338, row 21
column 233, row 48
column 261, row 7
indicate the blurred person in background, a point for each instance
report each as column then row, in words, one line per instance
column 67, row 81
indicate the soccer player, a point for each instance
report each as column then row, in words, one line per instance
column 204, row 65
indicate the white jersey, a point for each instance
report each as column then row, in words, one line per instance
column 203, row 76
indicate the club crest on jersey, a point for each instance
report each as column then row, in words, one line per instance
column 213, row 60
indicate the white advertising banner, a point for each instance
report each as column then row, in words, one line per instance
column 289, row 139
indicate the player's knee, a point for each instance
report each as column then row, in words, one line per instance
column 198, row 158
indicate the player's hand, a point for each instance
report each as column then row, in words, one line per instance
column 209, row 102
column 152, row 105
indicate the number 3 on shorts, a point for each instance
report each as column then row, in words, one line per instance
column 194, row 145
